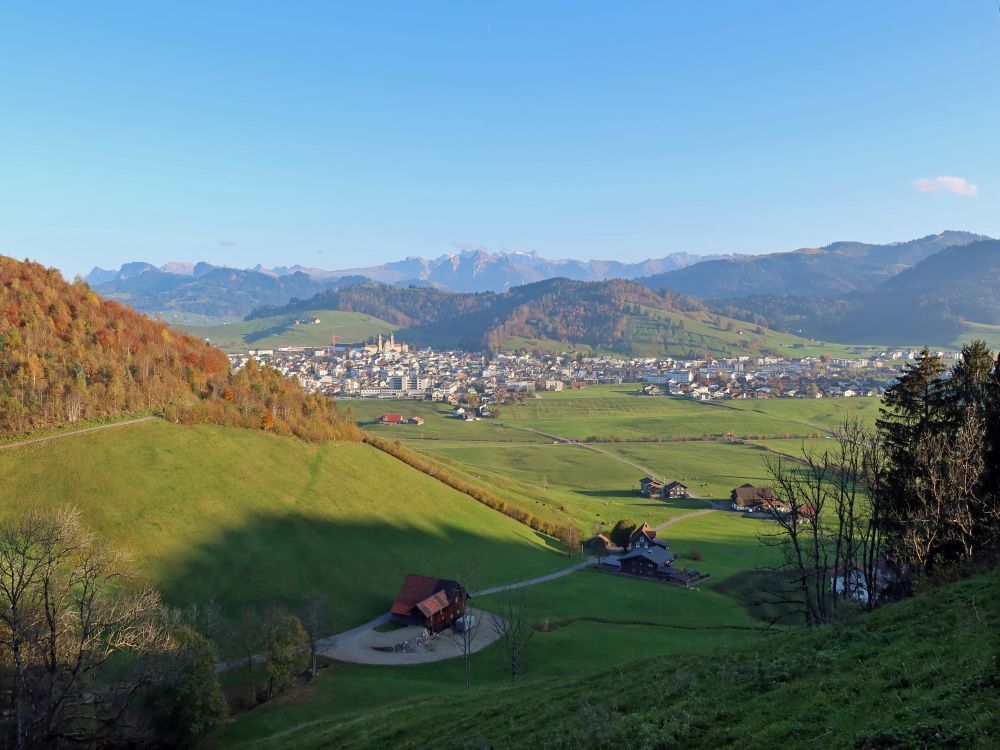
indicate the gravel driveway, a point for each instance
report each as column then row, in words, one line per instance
column 359, row 646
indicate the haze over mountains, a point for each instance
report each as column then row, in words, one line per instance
column 470, row 270
column 844, row 291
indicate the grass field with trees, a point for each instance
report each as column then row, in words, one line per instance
column 920, row 673
column 250, row 519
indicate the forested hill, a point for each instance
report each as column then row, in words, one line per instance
column 613, row 315
column 932, row 302
column 67, row 355
column 829, row 271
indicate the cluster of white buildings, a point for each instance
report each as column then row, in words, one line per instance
column 386, row 369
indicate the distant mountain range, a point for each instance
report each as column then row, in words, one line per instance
column 208, row 291
column 915, row 291
column 475, row 270
column 479, row 270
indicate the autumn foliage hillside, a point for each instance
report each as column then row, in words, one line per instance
column 67, row 355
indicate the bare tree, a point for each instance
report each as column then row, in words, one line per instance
column 871, row 529
column 803, row 488
column 315, row 617
column 946, row 495
column 570, row 539
column 830, row 523
column 67, row 605
column 465, row 633
column 75, row 402
column 512, row 623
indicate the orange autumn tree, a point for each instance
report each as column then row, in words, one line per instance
column 67, row 355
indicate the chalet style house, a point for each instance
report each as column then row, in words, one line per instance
column 645, row 538
column 648, row 556
column 647, row 561
column 749, row 499
column 676, row 490
column 432, row 603
column 649, row 487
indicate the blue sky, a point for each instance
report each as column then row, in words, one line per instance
column 347, row 134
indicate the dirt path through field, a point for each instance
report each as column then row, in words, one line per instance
column 588, row 446
column 84, row 431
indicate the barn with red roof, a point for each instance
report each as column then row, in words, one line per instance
column 432, row 603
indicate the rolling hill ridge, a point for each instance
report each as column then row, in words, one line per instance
column 552, row 315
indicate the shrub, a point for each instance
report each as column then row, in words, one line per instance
column 622, row 531
column 189, row 701
column 695, row 554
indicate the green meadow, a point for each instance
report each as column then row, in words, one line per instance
column 608, row 412
column 438, row 422
column 917, row 674
column 597, row 621
column 559, row 482
column 250, row 519
column 281, row 330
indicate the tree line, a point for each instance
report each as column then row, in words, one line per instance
column 913, row 499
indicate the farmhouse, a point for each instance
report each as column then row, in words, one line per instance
column 650, row 487
column 653, row 561
column 645, row 538
column 416, row 420
column 432, row 603
column 676, row 489
column 749, row 499
column 391, row 419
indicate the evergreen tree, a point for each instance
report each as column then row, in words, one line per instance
column 968, row 387
column 914, row 407
column 991, row 476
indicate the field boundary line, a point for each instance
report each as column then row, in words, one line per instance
column 73, row 433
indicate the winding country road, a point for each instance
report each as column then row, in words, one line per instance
column 82, row 431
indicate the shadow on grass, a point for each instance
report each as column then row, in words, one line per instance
column 284, row 559
column 630, row 494
column 274, row 330
column 762, row 593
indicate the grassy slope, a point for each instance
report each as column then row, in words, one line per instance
column 248, row 518
column 280, row 330
column 921, row 673
column 970, row 331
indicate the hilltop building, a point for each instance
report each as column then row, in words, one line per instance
column 380, row 345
